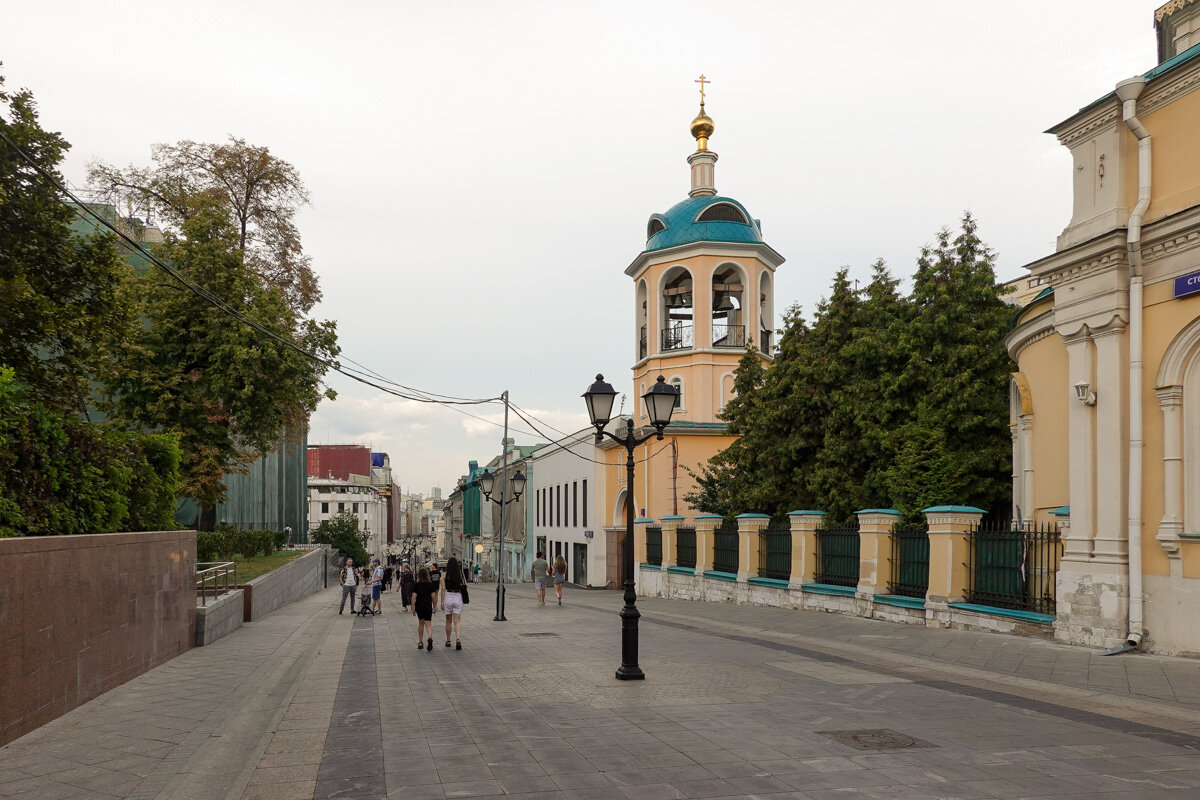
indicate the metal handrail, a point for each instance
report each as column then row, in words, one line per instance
column 216, row 572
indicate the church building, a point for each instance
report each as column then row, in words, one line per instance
column 1105, row 404
column 703, row 290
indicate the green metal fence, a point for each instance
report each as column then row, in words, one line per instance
column 775, row 550
column 685, row 547
column 837, row 556
column 910, row 561
column 1014, row 566
column 725, row 547
column 654, row 546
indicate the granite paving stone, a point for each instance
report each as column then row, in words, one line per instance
column 738, row 702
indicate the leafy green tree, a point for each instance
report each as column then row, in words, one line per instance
column 342, row 534
column 226, row 389
column 257, row 192
column 64, row 306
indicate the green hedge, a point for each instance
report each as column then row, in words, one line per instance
column 226, row 541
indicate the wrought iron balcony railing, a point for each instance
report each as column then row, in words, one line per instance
column 677, row 337
column 728, row 335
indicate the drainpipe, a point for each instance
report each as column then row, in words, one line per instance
column 1128, row 92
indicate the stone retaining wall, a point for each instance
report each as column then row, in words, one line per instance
column 80, row 615
column 296, row 579
column 219, row 617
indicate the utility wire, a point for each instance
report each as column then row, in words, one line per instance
column 81, row 208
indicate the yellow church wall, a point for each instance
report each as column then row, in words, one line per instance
column 659, row 484
column 1044, row 365
column 1164, row 318
column 1176, row 164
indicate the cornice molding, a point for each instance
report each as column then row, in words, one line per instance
column 1170, row 245
column 1024, row 335
column 1170, row 88
column 761, row 250
column 1079, row 269
column 1103, row 116
column 1170, row 8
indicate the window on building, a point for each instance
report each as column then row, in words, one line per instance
column 558, row 503
column 678, row 384
column 341, row 507
column 355, row 508
column 324, row 508
column 575, row 504
column 585, row 502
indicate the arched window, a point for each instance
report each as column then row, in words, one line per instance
column 676, row 309
column 655, row 225
column 728, row 320
column 723, row 212
column 677, row 382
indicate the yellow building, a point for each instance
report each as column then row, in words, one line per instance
column 704, row 288
column 1106, row 399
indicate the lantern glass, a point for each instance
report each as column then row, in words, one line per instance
column 518, row 484
column 660, row 402
column 599, row 398
column 487, row 482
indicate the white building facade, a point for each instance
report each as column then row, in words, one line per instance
column 328, row 497
column 566, row 493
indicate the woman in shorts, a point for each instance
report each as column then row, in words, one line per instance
column 424, row 604
column 451, row 596
column 560, row 577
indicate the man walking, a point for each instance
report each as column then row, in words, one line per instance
column 376, row 586
column 349, row 581
column 539, row 571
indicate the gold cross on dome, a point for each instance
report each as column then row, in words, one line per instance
column 702, row 81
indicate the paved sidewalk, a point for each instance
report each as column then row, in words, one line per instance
column 738, row 702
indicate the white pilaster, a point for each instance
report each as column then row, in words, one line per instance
column 1110, row 542
column 1170, row 400
column 1081, row 453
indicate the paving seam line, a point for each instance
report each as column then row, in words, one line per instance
column 335, row 641
column 184, row 784
column 1143, row 714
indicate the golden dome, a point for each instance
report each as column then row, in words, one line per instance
column 702, row 128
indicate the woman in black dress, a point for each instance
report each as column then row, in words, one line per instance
column 424, row 604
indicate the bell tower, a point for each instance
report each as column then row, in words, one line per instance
column 704, row 288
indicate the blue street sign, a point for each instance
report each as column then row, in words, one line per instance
column 1187, row 284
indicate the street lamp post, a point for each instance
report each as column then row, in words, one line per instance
column 487, row 484
column 660, row 403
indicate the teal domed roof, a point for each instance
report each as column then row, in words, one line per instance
column 706, row 218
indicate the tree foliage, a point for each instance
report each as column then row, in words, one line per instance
column 228, row 390
column 258, row 192
column 62, row 475
column 64, row 307
column 882, row 401
column 342, row 534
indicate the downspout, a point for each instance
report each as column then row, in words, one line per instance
column 1128, row 92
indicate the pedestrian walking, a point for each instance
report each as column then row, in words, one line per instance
column 539, row 571
column 348, row 578
column 560, row 576
column 376, row 586
column 405, row 585
column 424, row 604
column 478, row 574
column 453, row 595
column 435, row 574
column 388, row 573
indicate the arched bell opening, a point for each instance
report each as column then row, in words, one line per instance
column 677, row 310
column 642, row 315
column 766, row 314
column 728, row 317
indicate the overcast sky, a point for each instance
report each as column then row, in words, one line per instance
column 482, row 172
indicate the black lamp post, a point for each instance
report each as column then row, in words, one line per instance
column 660, row 402
column 487, row 484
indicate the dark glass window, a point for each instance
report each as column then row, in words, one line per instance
column 585, row 502
column 575, row 504
column 723, row 212
column 324, row 508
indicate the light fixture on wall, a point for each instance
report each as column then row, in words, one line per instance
column 1084, row 393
